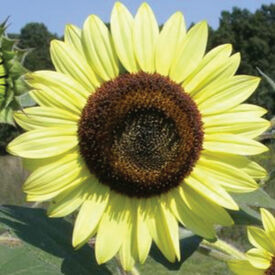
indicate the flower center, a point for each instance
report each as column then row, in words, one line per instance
column 140, row 134
column 271, row 269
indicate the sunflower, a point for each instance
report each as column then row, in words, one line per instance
column 259, row 260
column 141, row 130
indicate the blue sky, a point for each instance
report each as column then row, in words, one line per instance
column 56, row 13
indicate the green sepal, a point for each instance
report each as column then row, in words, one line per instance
column 20, row 86
column 8, row 44
column 6, row 115
column 25, row 100
column 8, row 56
column 9, row 94
column 17, row 69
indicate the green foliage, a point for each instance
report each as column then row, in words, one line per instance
column 253, row 35
column 40, row 245
column 36, row 37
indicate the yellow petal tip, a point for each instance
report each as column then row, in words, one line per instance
column 203, row 24
column 178, row 14
column 144, row 5
column 75, row 241
column 118, row 5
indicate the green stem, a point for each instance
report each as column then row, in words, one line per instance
column 227, row 249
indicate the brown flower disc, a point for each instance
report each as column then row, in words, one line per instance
column 271, row 269
column 140, row 134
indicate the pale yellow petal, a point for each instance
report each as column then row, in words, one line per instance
column 259, row 258
column 146, row 33
column 223, row 72
column 33, row 164
column 128, row 251
column 190, row 52
column 98, row 48
column 67, row 172
column 57, row 90
column 240, row 267
column 67, row 201
column 125, row 253
column 268, row 223
column 226, row 95
column 41, row 197
column 90, row 214
column 208, row 69
column 243, row 119
column 168, row 42
column 204, row 208
column 163, row 228
column 188, row 217
column 66, row 60
column 230, row 178
column 260, row 239
column 113, row 228
column 44, row 117
column 72, row 37
column 143, row 237
column 250, row 128
column 32, row 143
column 214, row 192
column 240, row 112
column 233, row 144
column 122, row 23
column 250, row 167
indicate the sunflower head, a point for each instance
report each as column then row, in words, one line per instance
column 260, row 259
column 140, row 130
column 12, row 85
column 150, row 142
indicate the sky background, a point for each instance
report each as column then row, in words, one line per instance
column 56, row 13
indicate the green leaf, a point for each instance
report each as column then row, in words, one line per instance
column 258, row 198
column 245, row 216
column 248, row 202
column 20, row 86
column 188, row 245
column 45, row 248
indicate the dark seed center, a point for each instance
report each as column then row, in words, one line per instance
column 271, row 269
column 140, row 134
column 146, row 138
